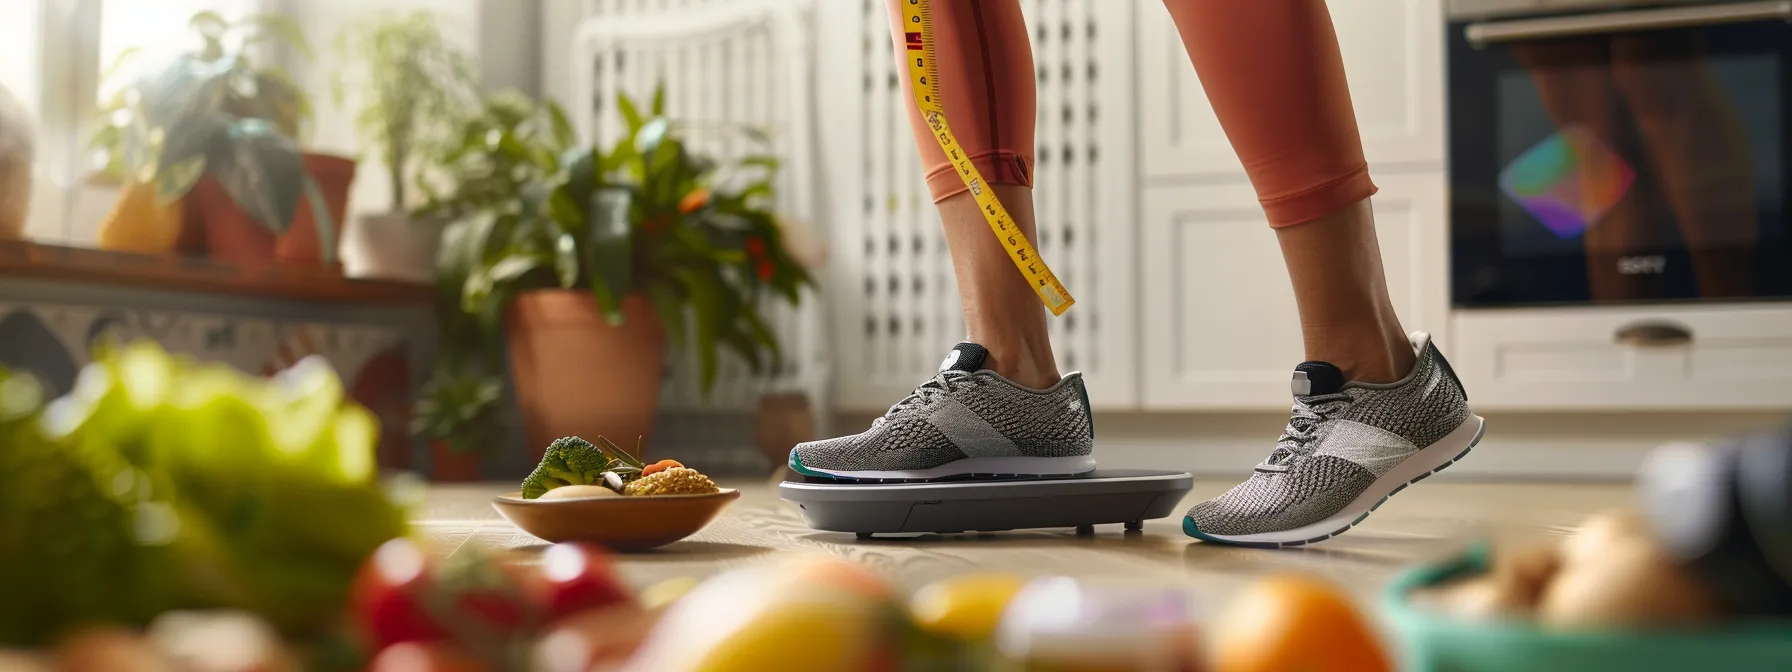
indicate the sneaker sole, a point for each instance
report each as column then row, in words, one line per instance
column 968, row 468
column 1434, row 458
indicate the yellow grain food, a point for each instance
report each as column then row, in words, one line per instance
column 674, row 481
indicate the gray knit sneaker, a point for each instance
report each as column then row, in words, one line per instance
column 966, row 422
column 1348, row 447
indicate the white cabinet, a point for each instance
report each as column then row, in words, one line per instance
column 1393, row 58
column 1716, row 357
column 1220, row 329
column 1218, row 320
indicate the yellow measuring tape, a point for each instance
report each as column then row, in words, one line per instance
column 923, row 72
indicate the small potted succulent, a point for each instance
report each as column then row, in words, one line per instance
column 417, row 91
column 593, row 272
column 215, row 132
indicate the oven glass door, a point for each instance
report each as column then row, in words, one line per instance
column 1601, row 159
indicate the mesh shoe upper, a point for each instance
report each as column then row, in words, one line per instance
column 964, row 411
column 1339, row 439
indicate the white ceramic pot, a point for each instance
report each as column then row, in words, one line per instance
column 391, row 246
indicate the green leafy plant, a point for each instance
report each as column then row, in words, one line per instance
column 250, row 90
column 417, row 90
column 646, row 217
column 509, row 144
column 212, row 112
column 462, row 406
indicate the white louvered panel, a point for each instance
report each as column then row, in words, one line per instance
column 721, row 79
column 896, row 310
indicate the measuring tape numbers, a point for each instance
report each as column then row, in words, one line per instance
column 923, row 72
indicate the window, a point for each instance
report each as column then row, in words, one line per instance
column 52, row 53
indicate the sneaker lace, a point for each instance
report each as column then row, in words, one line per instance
column 1303, row 428
column 946, row 382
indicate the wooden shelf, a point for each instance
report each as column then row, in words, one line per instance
column 197, row 274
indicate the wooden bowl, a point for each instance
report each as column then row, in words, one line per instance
column 619, row 523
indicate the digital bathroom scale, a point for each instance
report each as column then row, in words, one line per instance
column 1103, row 496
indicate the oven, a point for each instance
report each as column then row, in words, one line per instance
column 1608, row 152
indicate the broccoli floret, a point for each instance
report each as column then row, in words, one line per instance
column 568, row 461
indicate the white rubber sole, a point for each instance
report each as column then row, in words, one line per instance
column 1434, row 458
column 987, row 467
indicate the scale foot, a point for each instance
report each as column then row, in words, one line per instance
column 1085, row 530
column 864, row 535
column 1135, row 525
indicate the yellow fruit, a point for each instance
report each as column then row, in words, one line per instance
column 766, row 617
column 138, row 223
column 967, row 607
column 666, row 592
column 1285, row 623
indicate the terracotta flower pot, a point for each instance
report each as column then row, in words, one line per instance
column 213, row 225
column 577, row 375
column 300, row 243
column 449, row 466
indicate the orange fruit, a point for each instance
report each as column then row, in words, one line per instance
column 1292, row 623
column 658, row 467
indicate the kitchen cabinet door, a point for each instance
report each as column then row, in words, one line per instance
column 1393, row 58
column 1220, row 329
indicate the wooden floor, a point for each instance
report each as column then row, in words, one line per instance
column 1422, row 523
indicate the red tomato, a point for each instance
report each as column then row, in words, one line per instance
column 386, row 596
column 579, row 577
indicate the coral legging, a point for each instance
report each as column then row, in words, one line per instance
column 1270, row 68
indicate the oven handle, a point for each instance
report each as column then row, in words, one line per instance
column 1490, row 32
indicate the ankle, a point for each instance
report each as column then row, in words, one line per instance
column 1364, row 354
column 1023, row 363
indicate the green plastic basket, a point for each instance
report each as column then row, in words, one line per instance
column 1433, row 642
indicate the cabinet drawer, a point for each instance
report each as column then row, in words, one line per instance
column 1734, row 357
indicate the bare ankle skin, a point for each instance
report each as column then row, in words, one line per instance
column 1346, row 316
column 1001, row 312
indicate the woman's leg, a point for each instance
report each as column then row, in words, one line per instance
column 986, row 79
column 998, row 405
column 1374, row 408
column 1275, row 79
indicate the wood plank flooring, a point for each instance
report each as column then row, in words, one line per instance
column 1420, row 524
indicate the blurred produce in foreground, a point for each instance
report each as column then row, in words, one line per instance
column 160, row 484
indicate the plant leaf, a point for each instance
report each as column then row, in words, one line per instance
column 261, row 171
column 659, row 99
column 764, row 160
column 630, row 115
column 276, row 26
column 566, row 260
column 708, row 305
column 175, row 181
column 609, row 239
column 670, row 308
column 564, row 134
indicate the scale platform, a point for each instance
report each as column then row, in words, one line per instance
column 1100, row 497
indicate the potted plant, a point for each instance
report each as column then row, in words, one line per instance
column 620, row 252
column 417, row 91
column 461, row 413
column 212, row 130
column 509, row 146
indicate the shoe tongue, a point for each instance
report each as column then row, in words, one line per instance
column 1314, row 378
column 965, row 356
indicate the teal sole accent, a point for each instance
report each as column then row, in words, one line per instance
column 796, row 465
column 1188, row 528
